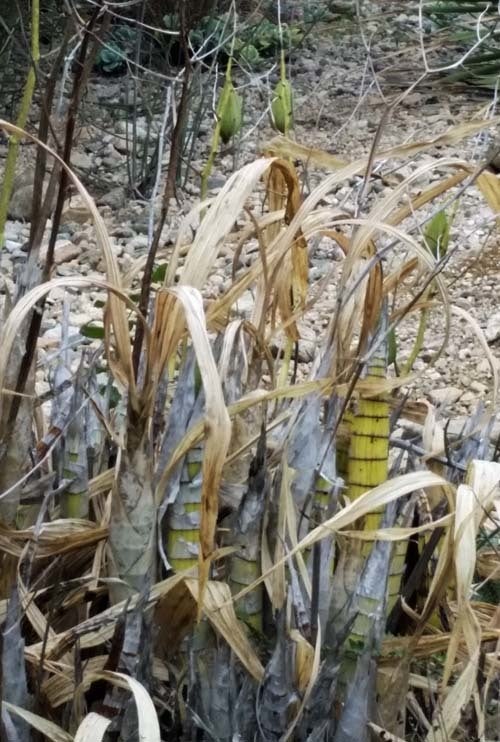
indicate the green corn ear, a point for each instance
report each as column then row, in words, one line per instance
column 282, row 106
column 230, row 108
column 230, row 112
column 282, row 102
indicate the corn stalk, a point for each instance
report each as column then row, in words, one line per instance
column 24, row 108
column 246, row 536
column 16, row 437
column 132, row 531
column 75, row 498
column 368, row 462
column 183, row 538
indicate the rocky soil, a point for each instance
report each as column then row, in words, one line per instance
column 341, row 93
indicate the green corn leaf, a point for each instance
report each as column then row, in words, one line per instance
column 92, row 331
column 159, row 273
column 437, row 234
column 392, row 347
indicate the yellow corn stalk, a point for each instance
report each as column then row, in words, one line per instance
column 323, row 484
column 367, row 464
column 343, row 442
column 245, row 570
column 321, row 500
column 367, row 467
column 319, row 506
column 183, row 547
column 183, row 538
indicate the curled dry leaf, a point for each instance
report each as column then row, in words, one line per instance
column 118, row 315
column 47, row 728
column 93, row 728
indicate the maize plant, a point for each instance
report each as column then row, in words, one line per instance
column 218, row 531
column 368, row 459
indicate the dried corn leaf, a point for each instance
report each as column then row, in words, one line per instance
column 489, row 186
column 467, row 625
column 47, row 728
column 217, row 224
column 217, row 426
column 282, row 147
column 93, row 728
column 372, row 500
column 217, row 605
column 149, row 728
column 119, row 317
column 95, row 630
column 25, row 305
column 52, row 538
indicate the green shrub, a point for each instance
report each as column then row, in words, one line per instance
column 460, row 18
column 255, row 41
column 112, row 57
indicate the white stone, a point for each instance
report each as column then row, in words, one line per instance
column 445, row 395
column 492, row 331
